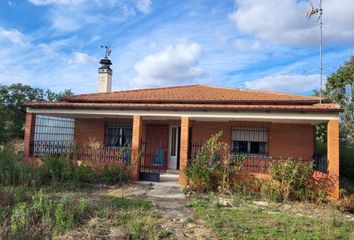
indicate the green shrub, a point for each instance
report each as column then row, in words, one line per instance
column 246, row 184
column 346, row 203
column 12, row 171
column 84, row 174
column 201, row 168
column 113, row 174
column 293, row 180
column 46, row 217
column 271, row 190
column 346, row 154
column 55, row 170
column 213, row 167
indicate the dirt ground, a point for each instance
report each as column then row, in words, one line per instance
column 170, row 203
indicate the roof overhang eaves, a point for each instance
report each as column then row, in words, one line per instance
column 182, row 101
column 193, row 108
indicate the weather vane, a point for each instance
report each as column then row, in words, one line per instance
column 108, row 50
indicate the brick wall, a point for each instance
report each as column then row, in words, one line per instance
column 87, row 130
column 291, row 140
column 285, row 140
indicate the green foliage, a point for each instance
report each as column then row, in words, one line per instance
column 346, row 203
column 213, row 167
column 45, row 216
column 271, row 190
column 113, row 174
column 321, row 133
column 246, row 185
column 293, row 179
column 253, row 222
column 12, row 111
column 202, row 167
column 13, row 172
column 230, row 166
column 55, row 170
column 340, row 89
column 346, row 154
column 125, row 203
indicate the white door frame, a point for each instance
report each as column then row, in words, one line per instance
column 173, row 159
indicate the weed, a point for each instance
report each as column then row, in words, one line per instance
column 248, row 222
column 165, row 234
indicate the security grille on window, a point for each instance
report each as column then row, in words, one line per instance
column 250, row 140
column 117, row 135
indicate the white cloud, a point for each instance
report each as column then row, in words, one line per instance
column 283, row 21
column 249, row 45
column 295, row 83
column 13, row 36
column 81, row 58
column 144, row 6
column 176, row 64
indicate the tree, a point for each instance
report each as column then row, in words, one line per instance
column 12, row 111
column 340, row 89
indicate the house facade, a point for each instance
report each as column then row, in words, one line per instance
column 159, row 129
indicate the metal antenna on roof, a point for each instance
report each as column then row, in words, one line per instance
column 315, row 14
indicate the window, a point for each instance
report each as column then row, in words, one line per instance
column 250, row 140
column 117, row 135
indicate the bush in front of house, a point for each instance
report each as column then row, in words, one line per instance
column 291, row 180
column 55, row 170
column 213, row 167
column 13, row 171
column 59, row 169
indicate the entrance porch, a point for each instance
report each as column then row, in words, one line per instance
column 155, row 144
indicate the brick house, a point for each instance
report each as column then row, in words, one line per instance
column 167, row 124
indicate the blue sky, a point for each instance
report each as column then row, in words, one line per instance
column 255, row 44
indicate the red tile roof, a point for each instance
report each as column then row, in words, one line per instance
column 191, row 94
column 325, row 107
column 193, row 97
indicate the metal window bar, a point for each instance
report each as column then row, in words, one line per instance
column 59, row 131
column 249, row 135
column 117, row 134
column 261, row 163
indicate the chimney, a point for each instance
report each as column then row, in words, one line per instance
column 105, row 73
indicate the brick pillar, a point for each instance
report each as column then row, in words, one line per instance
column 183, row 157
column 333, row 157
column 29, row 134
column 136, row 146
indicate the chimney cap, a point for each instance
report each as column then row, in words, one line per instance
column 105, row 63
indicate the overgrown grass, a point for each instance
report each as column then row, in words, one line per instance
column 258, row 223
column 27, row 213
column 55, row 170
column 37, row 215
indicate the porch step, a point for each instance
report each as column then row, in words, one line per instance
column 172, row 171
column 169, row 177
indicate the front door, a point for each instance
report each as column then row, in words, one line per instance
column 173, row 148
column 156, row 146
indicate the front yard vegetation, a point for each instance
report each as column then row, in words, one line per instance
column 53, row 200
column 251, row 221
column 215, row 168
column 26, row 214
